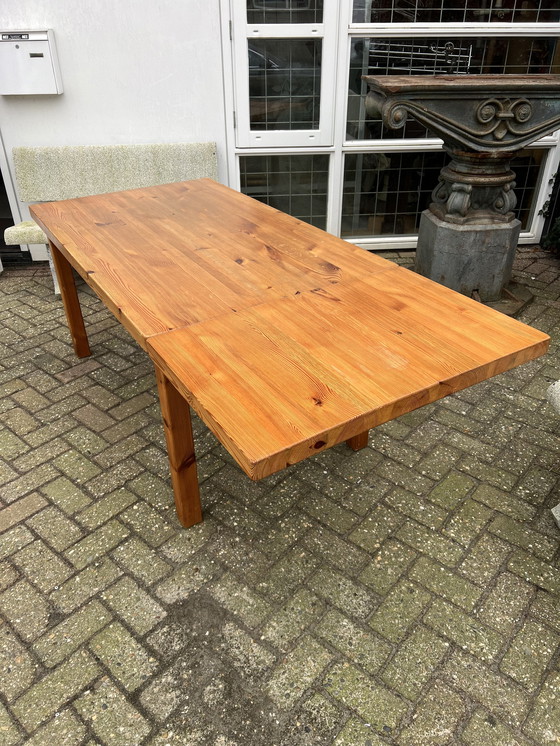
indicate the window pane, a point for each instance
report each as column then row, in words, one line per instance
column 406, row 56
column 385, row 193
column 284, row 11
column 284, row 83
column 455, row 11
column 296, row 184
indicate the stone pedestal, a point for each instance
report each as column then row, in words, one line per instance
column 467, row 257
column 469, row 234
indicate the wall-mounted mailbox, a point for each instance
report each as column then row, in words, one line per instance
column 28, row 63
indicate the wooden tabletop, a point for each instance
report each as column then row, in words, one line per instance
column 285, row 379
column 169, row 256
column 284, row 339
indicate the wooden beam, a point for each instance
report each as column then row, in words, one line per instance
column 358, row 441
column 70, row 302
column 180, row 448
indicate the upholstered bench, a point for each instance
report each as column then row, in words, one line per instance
column 49, row 174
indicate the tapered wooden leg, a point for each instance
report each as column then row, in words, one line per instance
column 358, row 441
column 70, row 302
column 180, row 448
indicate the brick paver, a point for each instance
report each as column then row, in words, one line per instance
column 404, row 595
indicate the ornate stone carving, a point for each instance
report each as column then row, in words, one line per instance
column 468, row 236
column 465, row 195
column 483, row 120
column 502, row 115
column 475, row 112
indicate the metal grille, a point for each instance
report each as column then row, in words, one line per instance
column 425, row 56
column 284, row 11
column 295, row 184
column 468, row 11
column 284, row 83
column 385, row 193
column 419, row 58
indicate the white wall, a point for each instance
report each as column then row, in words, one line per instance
column 134, row 71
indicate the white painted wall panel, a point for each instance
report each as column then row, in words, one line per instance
column 134, row 71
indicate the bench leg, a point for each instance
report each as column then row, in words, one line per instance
column 70, row 301
column 180, row 448
column 56, row 286
column 358, row 441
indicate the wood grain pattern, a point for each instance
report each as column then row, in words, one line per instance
column 180, row 450
column 358, row 441
column 284, row 339
column 169, row 256
column 282, row 380
column 70, row 301
column 462, row 83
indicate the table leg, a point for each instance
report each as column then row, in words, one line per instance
column 358, row 441
column 70, row 302
column 180, row 448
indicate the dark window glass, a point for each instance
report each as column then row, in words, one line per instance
column 456, row 11
column 284, row 11
column 385, row 193
column 284, row 83
column 296, row 184
column 406, row 56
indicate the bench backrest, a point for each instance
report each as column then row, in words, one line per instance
column 46, row 174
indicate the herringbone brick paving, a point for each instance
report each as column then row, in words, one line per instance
column 403, row 595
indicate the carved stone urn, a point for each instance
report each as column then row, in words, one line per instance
column 468, row 236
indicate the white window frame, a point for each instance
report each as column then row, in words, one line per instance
column 241, row 33
column 332, row 139
column 399, row 30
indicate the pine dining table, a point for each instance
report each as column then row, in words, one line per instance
column 284, row 339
